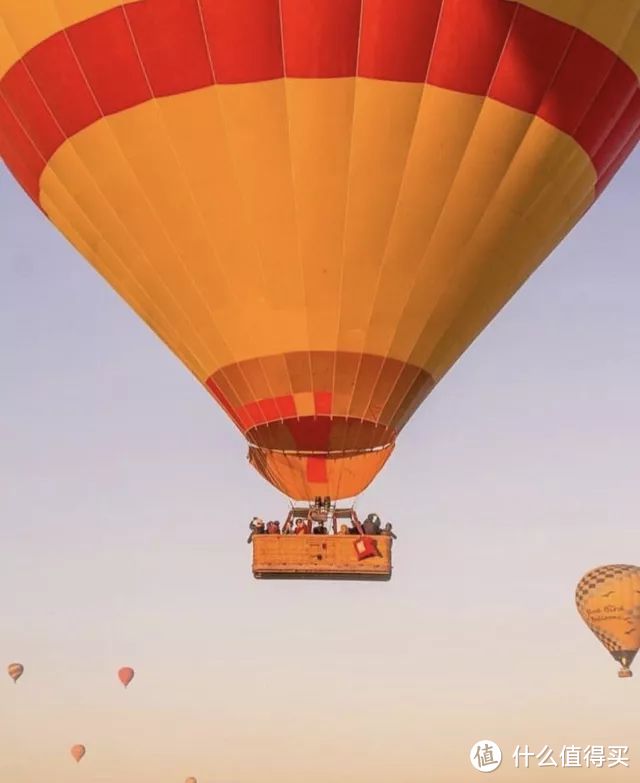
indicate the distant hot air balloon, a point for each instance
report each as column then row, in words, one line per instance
column 608, row 600
column 191, row 780
column 78, row 751
column 125, row 675
column 15, row 671
column 318, row 205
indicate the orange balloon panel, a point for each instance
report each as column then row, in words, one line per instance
column 608, row 600
column 317, row 205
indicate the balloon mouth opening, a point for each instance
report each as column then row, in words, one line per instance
column 328, row 454
column 322, row 433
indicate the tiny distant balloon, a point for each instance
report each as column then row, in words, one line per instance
column 125, row 675
column 191, row 780
column 15, row 671
column 78, row 751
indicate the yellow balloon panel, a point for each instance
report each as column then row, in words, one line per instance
column 403, row 262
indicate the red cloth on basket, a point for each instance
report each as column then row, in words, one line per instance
column 365, row 547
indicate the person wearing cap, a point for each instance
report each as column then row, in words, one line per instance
column 320, row 529
column 371, row 525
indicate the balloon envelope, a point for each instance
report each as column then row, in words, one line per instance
column 318, row 205
column 125, row 675
column 15, row 671
column 78, row 751
column 608, row 600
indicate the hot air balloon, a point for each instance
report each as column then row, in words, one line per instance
column 125, row 675
column 15, row 671
column 191, row 780
column 608, row 600
column 317, row 205
column 78, row 751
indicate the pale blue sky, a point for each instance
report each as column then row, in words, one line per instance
column 124, row 502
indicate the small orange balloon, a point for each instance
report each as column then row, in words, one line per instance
column 125, row 675
column 15, row 671
column 191, row 780
column 78, row 751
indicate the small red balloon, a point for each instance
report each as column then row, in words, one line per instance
column 78, row 751
column 125, row 675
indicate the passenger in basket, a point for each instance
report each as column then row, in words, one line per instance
column 287, row 528
column 257, row 527
column 301, row 528
column 344, row 530
column 320, row 529
column 371, row 525
column 388, row 531
column 273, row 528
